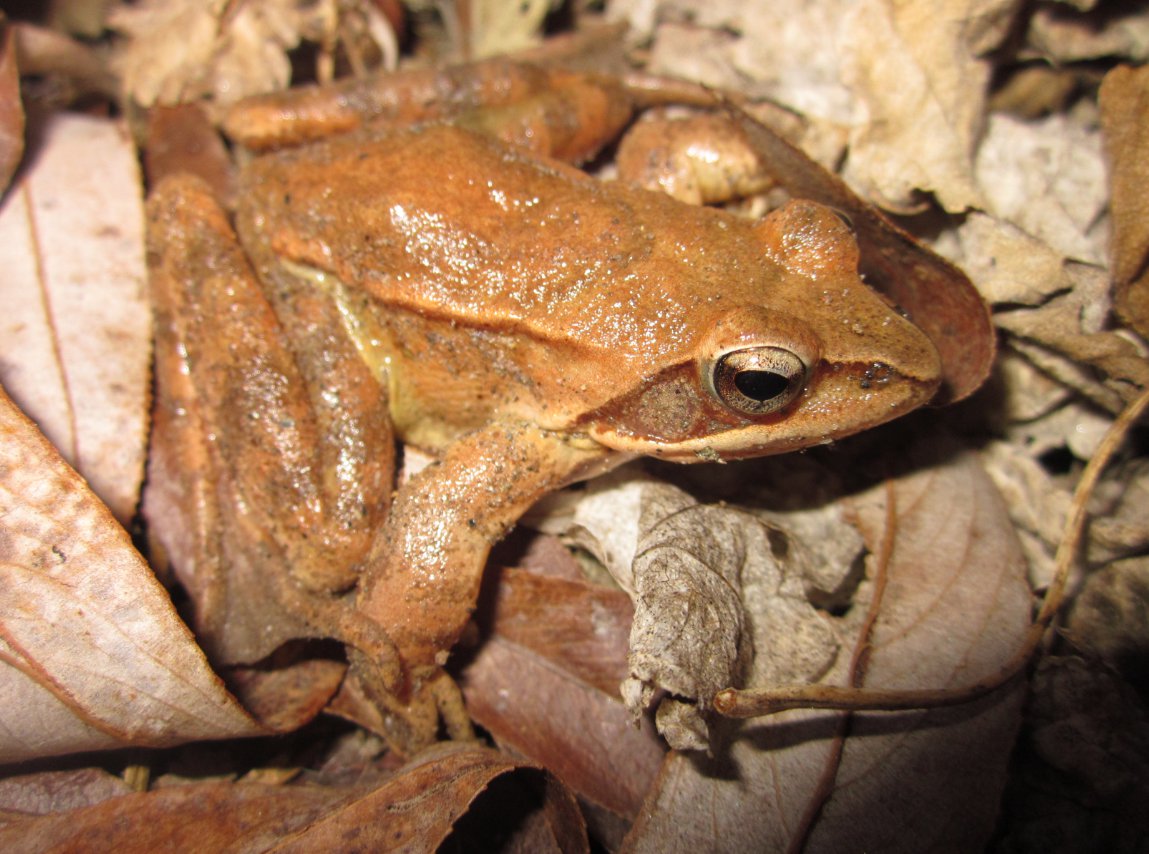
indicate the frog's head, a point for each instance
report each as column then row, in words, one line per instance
column 800, row 357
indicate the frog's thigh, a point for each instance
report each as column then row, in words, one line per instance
column 423, row 575
column 250, row 392
column 355, row 454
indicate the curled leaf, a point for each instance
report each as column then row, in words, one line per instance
column 413, row 810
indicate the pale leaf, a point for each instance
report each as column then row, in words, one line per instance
column 75, row 338
column 1007, row 265
column 690, row 637
column 1048, row 178
column 94, row 654
column 181, row 51
column 504, row 26
column 920, row 72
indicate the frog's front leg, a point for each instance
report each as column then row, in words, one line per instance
column 423, row 575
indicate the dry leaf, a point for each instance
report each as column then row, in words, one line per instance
column 580, row 628
column 1057, row 36
column 95, row 655
column 545, row 684
column 505, row 26
column 1063, row 339
column 11, row 111
column 698, row 574
column 1121, row 528
column 683, row 564
column 1048, row 178
column 72, row 69
column 1008, row 265
column 790, row 51
column 181, row 51
column 1110, row 617
column 920, row 72
column 1033, row 91
column 1089, row 753
column 1028, row 393
column 1038, row 506
column 57, row 791
column 1124, row 101
column 414, row 810
column 955, row 607
column 908, row 79
column 76, row 335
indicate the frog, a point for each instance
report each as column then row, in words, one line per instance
column 449, row 287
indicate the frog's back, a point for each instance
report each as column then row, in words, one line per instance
column 453, row 225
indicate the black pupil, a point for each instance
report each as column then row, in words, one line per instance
column 761, row 385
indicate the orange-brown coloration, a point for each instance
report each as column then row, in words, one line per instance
column 528, row 324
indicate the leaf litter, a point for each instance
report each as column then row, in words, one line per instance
column 1041, row 204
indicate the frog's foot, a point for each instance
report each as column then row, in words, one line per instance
column 413, row 716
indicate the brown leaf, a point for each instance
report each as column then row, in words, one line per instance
column 95, row 655
column 11, row 111
column 581, row 628
column 955, row 607
column 57, row 791
column 412, row 811
column 285, row 696
column 1124, row 98
column 545, row 684
column 75, row 344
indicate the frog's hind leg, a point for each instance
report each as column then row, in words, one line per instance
column 264, row 487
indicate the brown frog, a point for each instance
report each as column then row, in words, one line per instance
column 525, row 323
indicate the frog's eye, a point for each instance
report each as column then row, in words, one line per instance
column 758, row 380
